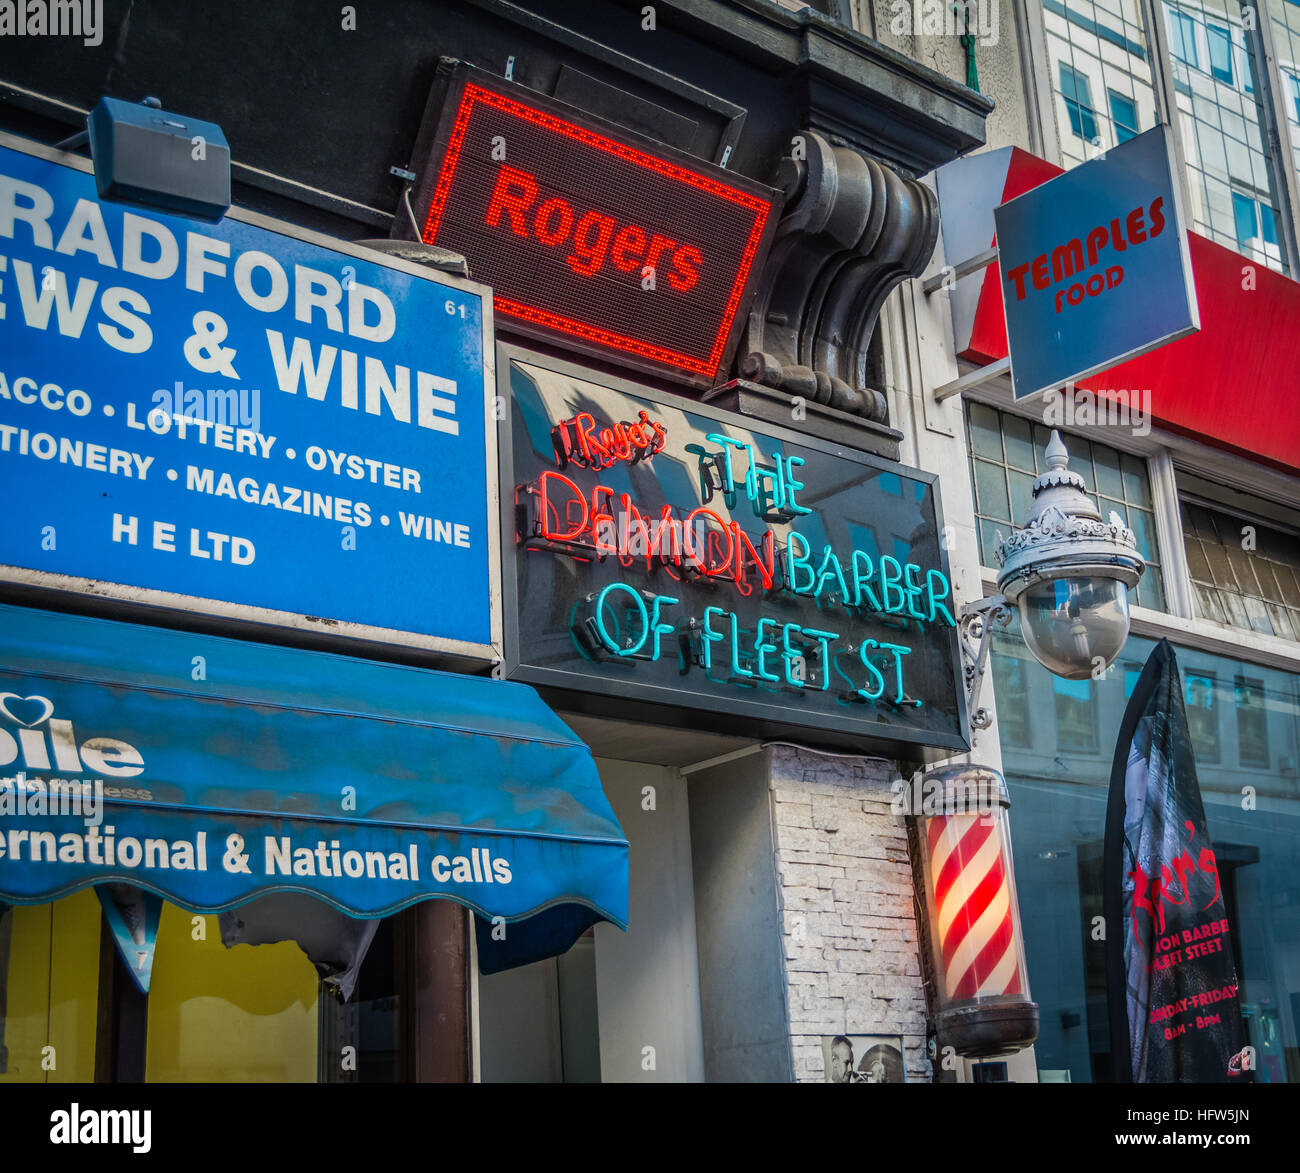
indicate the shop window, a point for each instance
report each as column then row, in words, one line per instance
column 1076, row 721
column 70, row 1012
column 1078, row 103
column 1252, row 721
column 218, row 1015
column 1220, row 53
column 1007, row 453
column 49, row 990
column 1244, row 573
column 1123, row 114
column 1202, row 715
column 1058, row 811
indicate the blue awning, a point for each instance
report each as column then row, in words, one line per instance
column 232, row 769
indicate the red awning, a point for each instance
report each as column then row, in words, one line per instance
column 1235, row 384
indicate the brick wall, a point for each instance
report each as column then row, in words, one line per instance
column 845, row 882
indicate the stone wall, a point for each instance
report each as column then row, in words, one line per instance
column 845, row 883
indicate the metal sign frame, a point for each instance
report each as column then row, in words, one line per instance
column 435, row 140
column 652, row 702
column 1177, row 220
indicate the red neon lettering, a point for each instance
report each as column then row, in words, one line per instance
column 747, row 556
column 513, row 205
column 602, row 521
column 711, row 561
column 546, row 508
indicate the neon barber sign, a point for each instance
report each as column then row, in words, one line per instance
column 721, row 567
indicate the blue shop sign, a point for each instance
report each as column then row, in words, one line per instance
column 247, row 418
column 1095, row 266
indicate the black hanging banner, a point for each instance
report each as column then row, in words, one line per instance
column 1175, row 1016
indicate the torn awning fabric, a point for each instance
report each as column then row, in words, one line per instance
column 226, row 770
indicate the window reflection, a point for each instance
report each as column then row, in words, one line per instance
column 1244, row 749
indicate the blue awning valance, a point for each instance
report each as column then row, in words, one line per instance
column 228, row 770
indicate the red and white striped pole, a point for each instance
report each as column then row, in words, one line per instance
column 976, row 948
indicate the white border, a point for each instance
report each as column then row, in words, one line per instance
column 242, row 612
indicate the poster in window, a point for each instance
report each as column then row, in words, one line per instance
column 1175, row 1012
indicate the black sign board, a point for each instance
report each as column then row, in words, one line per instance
column 726, row 576
column 611, row 243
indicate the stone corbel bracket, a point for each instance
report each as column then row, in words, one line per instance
column 852, row 231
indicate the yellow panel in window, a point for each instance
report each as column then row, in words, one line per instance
column 74, row 986
column 51, row 991
column 241, row 1015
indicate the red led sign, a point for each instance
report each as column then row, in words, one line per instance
column 626, row 248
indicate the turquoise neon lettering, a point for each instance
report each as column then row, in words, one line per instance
column 867, row 645
column 899, row 652
column 831, row 570
column 736, row 669
column 789, row 655
column 658, row 629
column 711, row 637
column 823, row 639
column 912, row 590
column 936, row 597
column 609, row 641
column 890, row 584
column 791, row 485
column 754, row 487
column 861, row 591
column 727, row 443
column 761, row 649
column 795, row 563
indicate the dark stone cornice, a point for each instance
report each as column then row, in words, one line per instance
column 848, row 85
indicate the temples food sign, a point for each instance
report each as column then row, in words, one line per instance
column 1095, row 266
column 751, row 581
column 244, row 419
column 620, row 246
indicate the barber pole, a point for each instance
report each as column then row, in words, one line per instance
column 981, row 1003
column 977, row 932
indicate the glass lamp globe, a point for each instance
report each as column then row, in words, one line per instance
column 1068, row 573
column 1075, row 625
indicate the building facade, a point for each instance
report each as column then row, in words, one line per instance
column 715, row 698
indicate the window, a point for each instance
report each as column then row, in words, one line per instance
column 1182, row 37
column 1103, row 43
column 1252, row 721
column 1007, row 453
column 1076, row 718
column 1078, row 103
column 1244, row 573
column 1295, row 95
column 1220, row 53
column 1123, row 113
column 1267, row 224
column 1243, row 208
column 1202, row 714
column 1058, row 813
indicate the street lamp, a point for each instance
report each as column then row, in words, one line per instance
column 1068, row 573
